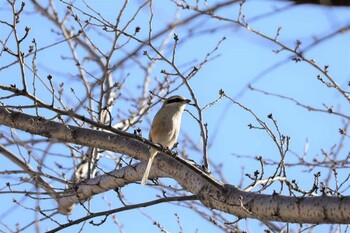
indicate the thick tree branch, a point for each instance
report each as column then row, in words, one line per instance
column 211, row 193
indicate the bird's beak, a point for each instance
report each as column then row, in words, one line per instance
column 187, row 101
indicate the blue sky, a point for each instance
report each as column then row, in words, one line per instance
column 239, row 60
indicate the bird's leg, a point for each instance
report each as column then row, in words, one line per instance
column 172, row 152
column 168, row 150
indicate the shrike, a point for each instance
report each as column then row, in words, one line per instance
column 165, row 127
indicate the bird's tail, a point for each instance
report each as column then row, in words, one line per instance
column 149, row 165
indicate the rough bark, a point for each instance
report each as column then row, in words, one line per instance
column 211, row 193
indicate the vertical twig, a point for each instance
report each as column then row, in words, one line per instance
column 20, row 54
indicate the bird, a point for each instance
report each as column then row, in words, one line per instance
column 165, row 127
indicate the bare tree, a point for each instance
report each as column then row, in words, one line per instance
column 79, row 85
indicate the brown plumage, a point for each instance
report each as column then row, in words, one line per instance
column 165, row 127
